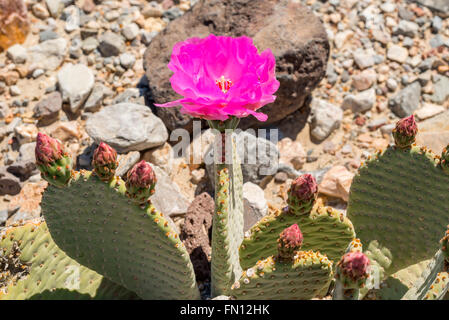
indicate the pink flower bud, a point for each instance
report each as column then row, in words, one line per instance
column 304, row 187
column 104, row 155
column 291, row 237
column 141, row 175
column 48, row 150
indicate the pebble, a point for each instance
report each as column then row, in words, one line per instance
column 17, row 53
column 47, row 110
column 360, row 102
column 325, row 118
column 363, row 60
column 75, row 83
column 428, row 110
column 397, row 53
column 406, row 101
column 130, row 31
column 111, row 44
column 48, row 55
column 127, row 60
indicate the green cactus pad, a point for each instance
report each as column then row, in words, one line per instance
column 325, row 230
column 227, row 229
column 398, row 205
column 95, row 224
column 48, row 273
column 271, row 279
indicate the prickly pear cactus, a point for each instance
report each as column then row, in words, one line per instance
column 324, row 229
column 97, row 225
column 290, row 274
column 33, row 267
column 227, row 228
column 398, row 203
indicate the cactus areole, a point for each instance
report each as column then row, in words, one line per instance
column 302, row 194
column 405, row 132
column 445, row 245
column 105, row 161
column 290, row 240
column 352, row 269
column 141, row 181
column 53, row 162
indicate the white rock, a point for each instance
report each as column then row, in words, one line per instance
column 342, row 37
column 17, row 53
column 397, row 53
column 363, row 59
column 130, row 31
column 75, row 83
column 255, row 206
column 360, row 102
column 49, row 54
column 127, row 60
column 73, row 19
column 54, row 7
column 292, row 152
column 325, row 118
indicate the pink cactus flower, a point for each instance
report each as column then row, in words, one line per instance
column 220, row 77
column 48, row 150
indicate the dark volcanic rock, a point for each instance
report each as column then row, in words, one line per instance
column 195, row 234
column 294, row 34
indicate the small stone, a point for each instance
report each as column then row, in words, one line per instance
column 4, row 110
column 130, row 31
column 17, row 53
column 72, row 22
column 153, row 10
column 126, row 162
column 146, row 37
column 89, row 45
column 40, row 11
column 255, row 206
column 428, row 110
column 173, row 13
column 342, row 37
column 392, row 84
column 47, row 110
column 111, row 44
column 336, row 183
column 47, row 35
column 15, row 91
column 54, row 7
column 37, row 73
column 325, row 118
column 9, row 183
column 407, row 28
column 437, row 24
column 364, row 80
column 397, row 53
column 406, row 101
column 441, row 90
column 99, row 92
column 49, row 54
column 198, row 175
column 292, row 153
column 363, row 60
column 76, row 83
column 112, row 15
column 360, row 102
column 25, row 164
column 26, row 133
column 161, row 156
column 280, row 177
column 127, row 60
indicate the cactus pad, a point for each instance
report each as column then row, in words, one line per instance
column 324, row 229
column 271, row 279
column 398, row 205
column 42, row 271
column 102, row 229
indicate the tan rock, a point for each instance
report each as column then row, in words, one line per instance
column 64, row 131
column 292, row 152
column 28, row 200
column 198, row 149
column 161, row 156
column 337, row 182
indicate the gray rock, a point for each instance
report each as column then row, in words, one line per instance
column 3, row 216
column 437, row 24
column 9, row 183
column 47, row 35
column 25, row 165
column 99, row 92
column 407, row 28
column 258, row 156
column 126, row 162
column 75, row 83
column 441, row 90
column 72, row 21
column 130, row 31
column 363, row 59
column 49, row 54
column 127, row 60
column 111, row 44
column 325, row 118
column 168, row 197
column 129, row 95
column 255, row 206
column 406, row 101
column 440, row 6
column 146, row 37
column 47, row 110
column 89, row 45
column 360, row 102
column 17, row 53
column 127, row 127
column 4, row 110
